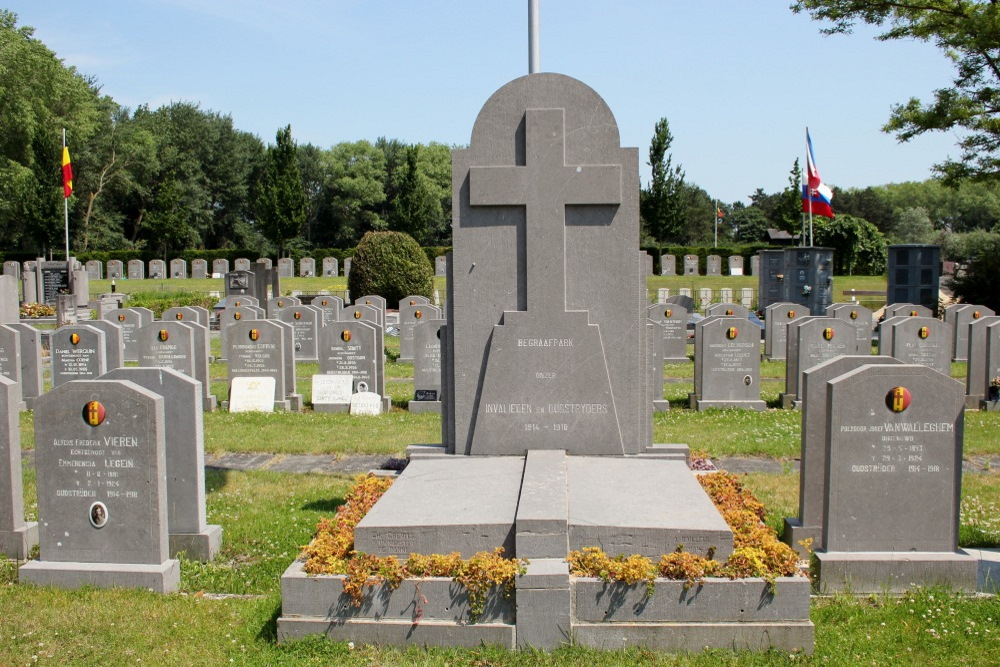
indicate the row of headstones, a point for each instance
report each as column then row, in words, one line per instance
column 713, row 265
column 136, row 269
column 120, row 476
column 707, row 296
column 727, row 346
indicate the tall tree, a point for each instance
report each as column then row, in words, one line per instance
column 663, row 202
column 787, row 213
column 280, row 204
column 968, row 31
column 353, row 193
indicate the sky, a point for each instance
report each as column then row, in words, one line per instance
column 738, row 80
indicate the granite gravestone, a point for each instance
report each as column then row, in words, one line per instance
column 978, row 372
column 668, row 265
column 726, row 295
column 241, row 264
column 186, row 314
column 102, row 489
column 440, row 266
column 375, row 301
column 894, row 473
column 188, row 529
column 409, row 317
column 129, row 319
column 157, row 269
column 17, row 537
column 136, row 269
column 922, row 340
column 647, row 263
column 307, row 267
column 347, row 266
column 413, row 300
column 727, row 364
column 330, row 308
column 963, row 316
column 12, row 269
column 286, row 267
column 114, row 342
column 10, row 361
column 992, row 397
column 735, row 265
column 77, row 353
column 116, row 269
column 306, row 322
column 31, row 362
column 276, row 304
column 427, row 366
column 264, row 262
column 755, row 265
column 167, row 344
column 363, row 313
column 815, row 428
column 907, row 310
column 812, row 340
column 885, row 330
column 357, row 349
column 178, row 268
column 95, row 270
column 220, row 267
column 727, row 309
column 713, row 265
column 672, row 319
column 199, row 269
column 330, row 267
column 257, row 348
column 861, row 318
column 231, row 315
column 690, row 265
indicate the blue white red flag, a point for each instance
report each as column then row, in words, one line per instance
column 816, row 196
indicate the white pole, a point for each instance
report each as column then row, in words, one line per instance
column 715, row 214
column 66, row 212
column 533, row 41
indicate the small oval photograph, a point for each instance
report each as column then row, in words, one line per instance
column 98, row 515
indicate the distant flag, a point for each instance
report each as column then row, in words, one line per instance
column 816, row 196
column 67, row 170
column 719, row 213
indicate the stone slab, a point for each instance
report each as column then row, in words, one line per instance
column 443, row 505
column 159, row 578
column 653, row 506
column 543, row 507
column 697, row 637
column 894, row 572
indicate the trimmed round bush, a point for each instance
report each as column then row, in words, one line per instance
column 391, row 265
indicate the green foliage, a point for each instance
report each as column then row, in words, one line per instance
column 858, row 247
column 391, row 265
column 280, row 205
column 968, row 33
column 663, row 204
column 787, row 214
column 160, row 301
column 912, row 225
column 978, row 284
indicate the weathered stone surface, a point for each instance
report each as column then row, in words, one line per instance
column 17, row 537
column 813, row 340
column 77, row 353
column 777, row 316
column 922, row 340
column 861, row 318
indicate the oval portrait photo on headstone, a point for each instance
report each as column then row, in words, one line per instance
column 98, row 515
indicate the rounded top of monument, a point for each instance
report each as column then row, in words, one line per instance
column 588, row 118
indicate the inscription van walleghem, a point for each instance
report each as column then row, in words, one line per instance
column 897, row 449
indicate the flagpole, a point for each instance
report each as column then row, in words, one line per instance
column 716, row 216
column 66, row 214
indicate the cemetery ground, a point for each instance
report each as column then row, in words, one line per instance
column 226, row 611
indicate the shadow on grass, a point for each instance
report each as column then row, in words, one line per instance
column 326, row 505
column 216, row 479
column 269, row 631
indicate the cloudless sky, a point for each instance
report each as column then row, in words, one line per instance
column 739, row 80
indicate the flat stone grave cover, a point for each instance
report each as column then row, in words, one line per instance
column 894, row 451
column 672, row 319
column 188, row 529
column 77, row 353
column 815, row 428
column 17, row 536
column 102, row 488
column 923, row 340
column 727, row 364
column 252, row 394
column 332, row 393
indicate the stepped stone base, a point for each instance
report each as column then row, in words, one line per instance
column 894, row 572
column 197, row 546
column 159, row 578
column 18, row 543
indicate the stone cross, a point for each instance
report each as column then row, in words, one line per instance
column 545, row 185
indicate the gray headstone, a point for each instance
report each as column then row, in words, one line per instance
column 12, row 269
column 17, row 537
column 672, row 319
column 286, row 267
column 186, row 314
column 115, row 269
column 727, row 309
column 256, row 348
column 100, row 458
column 691, row 265
column 978, row 372
column 114, row 342
column 861, row 318
column 157, row 269
column 894, row 451
column 363, row 313
column 29, row 287
column 347, row 266
column 962, row 316
column 178, row 268
column 409, row 317
column 713, row 265
column 427, row 366
column 232, row 315
column 77, row 353
column 815, row 428
column 306, row 322
column 668, row 265
column 95, row 269
column 755, row 265
column 136, row 269
column 330, row 266
column 683, row 300
column 440, row 265
column 31, row 362
column 167, row 344
column 241, row 264
column 199, row 269
column 811, row 341
column 330, row 306
column 307, row 267
column 11, row 366
column 907, row 310
column 187, row 527
column 543, row 193
column 129, row 319
column 647, row 263
column 354, row 348
column 221, row 266
column 727, row 364
column 992, row 365
column 265, row 262
column 413, row 300
column 922, row 340
column 735, row 265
